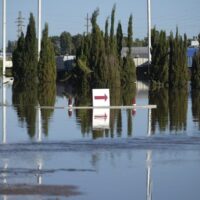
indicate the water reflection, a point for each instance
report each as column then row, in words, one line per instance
column 24, row 98
column 27, row 99
column 178, row 105
column 160, row 98
column 196, row 106
column 105, row 123
column 149, row 178
column 171, row 109
column 84, row 116
column 46, row 97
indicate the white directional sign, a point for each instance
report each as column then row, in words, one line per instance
column 101, row 118
column 101, row 97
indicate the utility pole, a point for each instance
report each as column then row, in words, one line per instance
column 149, row 29
column 87, row 23
column 39, row 26
column 4, row 36
column 20, row 24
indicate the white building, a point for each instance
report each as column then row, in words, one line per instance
column 194, row 43
column 139, row 55
column 65, row 63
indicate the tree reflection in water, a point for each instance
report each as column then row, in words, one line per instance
column 118, row 96
column 24, row 99
column 178, row 105
column 46, row 97
column 171, row 109
column 160, row 98
column 196, row 106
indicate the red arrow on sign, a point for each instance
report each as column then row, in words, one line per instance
column 101, row 97
column 101, row 116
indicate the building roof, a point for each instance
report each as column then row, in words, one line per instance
column 136, row 52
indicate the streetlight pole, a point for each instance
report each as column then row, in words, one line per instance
column 4, row 36
column 39, row 26
column 149, row 29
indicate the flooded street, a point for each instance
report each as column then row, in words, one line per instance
column 48, row 154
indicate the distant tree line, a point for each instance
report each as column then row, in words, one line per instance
column 26, row 65
column 66, row 44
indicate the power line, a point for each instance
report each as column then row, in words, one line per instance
column 20, row 24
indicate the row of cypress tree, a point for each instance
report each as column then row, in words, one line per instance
column 25, row 57
column 99, row 61
column 169, row 65
column 169, row 59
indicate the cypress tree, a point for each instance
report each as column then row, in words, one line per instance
column 107, row 37
column 178, row 70
column 46, row 65
column 112, row 39
column 97, row 54
column 195, row 79
column 119, row 39
column 18, row 59
column 129, row 71
column 130, row 34
column 159, row 65
column 30, row 55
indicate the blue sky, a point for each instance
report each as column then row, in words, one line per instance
column 69, row 15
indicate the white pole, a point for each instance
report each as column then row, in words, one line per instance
column 149, row 28
column 149, row 123
column 4, row 36
column 149, row 182
column 39, row 177
column 39, row 26
column 39, row 135
column 4, row 111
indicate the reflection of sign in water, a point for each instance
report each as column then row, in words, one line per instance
column 101, row 97
column 101, row 118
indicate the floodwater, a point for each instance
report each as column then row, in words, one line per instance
column 51, row 154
